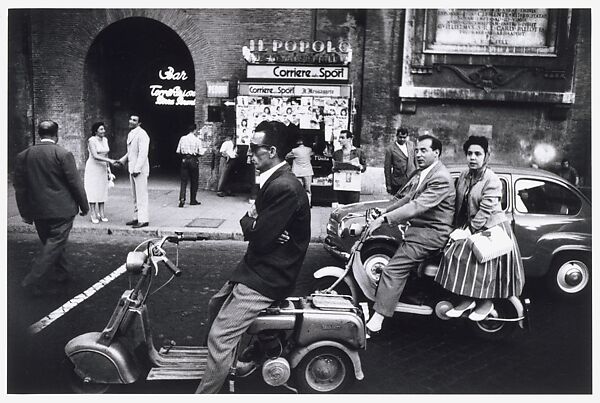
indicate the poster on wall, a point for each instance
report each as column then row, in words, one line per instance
column 329, row 114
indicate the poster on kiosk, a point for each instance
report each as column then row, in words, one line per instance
column 305, row 84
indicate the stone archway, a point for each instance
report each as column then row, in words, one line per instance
column 138, row 65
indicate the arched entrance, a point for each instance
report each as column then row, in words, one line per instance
column 139, row 65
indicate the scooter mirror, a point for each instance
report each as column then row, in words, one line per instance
column 135, row 262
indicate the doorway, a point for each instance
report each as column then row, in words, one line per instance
column 141, row 66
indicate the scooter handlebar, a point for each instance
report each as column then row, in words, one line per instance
column 174, row 269
column 181, row 237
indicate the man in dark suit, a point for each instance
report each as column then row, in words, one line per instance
column 427, row 203
column 277, row 228
column 49, row 193
column 399, row 161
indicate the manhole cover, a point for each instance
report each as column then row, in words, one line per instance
column 206, row 222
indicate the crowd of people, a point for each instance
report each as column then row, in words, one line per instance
column 442, row 215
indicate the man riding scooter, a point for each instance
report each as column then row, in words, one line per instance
column 277, row 227
column 425, row 205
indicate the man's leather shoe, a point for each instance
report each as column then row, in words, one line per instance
column 220, row 194
column 132, row 222
column 194, row 203
column 140, row 225
column 181, row 202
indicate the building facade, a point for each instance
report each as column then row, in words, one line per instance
column 524, row 79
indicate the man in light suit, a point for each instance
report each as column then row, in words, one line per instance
column 49, row 194
column 277, row 228
column 399, row 162
column 427, row 203
column 136, row 157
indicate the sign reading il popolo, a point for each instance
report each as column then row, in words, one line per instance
column 285, row 72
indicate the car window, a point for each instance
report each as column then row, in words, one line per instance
column 504, row 201
column 542, row 197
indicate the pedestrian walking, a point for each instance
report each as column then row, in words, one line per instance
column 301, row 166
column 228, row 157
column 399, row 161
column 189, row 148
column 97, row 172
column 49, row 194
column 566, row 171
column 138, row 144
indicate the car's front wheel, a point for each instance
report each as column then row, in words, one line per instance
column 569, row 275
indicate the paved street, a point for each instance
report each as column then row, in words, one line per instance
column 418, row 355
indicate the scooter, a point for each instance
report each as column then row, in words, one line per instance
column 313, row 341
column 422, row 296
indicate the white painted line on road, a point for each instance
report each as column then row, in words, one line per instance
column 73, row 302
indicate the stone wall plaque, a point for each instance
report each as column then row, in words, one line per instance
column 503, row 55
column 490, row 31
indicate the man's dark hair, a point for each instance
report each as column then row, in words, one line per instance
column 192, row 127
column 402, row 130
column 48, row 128
column 436, row 144
column 348, row 133
column 481, row 141
column 278, row 135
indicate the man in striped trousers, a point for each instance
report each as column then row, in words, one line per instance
column 277, row 227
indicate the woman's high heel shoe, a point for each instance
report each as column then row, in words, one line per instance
column 95, row 220
column 460, row 309
column 103, row 219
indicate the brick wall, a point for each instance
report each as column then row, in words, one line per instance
column 53, row 45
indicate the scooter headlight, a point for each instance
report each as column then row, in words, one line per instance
column 135, row 261
column 276, row 371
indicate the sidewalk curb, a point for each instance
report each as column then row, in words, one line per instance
column 147, row 232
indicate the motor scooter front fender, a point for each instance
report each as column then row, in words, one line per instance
column 98, row 363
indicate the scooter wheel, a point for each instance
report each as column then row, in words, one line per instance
column 441, row 308
column 324, row 370
column 77, row 385
column 491, row 329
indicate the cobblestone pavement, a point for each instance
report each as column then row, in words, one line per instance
column 416, row 355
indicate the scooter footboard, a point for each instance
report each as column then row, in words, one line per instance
column 98, row 363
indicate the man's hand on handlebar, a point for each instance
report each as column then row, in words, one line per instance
column 374, row 225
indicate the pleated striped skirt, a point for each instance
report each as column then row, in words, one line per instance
column 462, row 274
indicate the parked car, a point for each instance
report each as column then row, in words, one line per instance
column 551, row 219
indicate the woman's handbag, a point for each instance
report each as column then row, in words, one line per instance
column 490, row 244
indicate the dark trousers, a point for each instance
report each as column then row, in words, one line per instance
column 189, row 173
column 225, row 168
column 54, row 234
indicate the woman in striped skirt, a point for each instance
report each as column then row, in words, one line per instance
column 478, row 194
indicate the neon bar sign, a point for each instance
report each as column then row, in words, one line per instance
column 174, row 95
